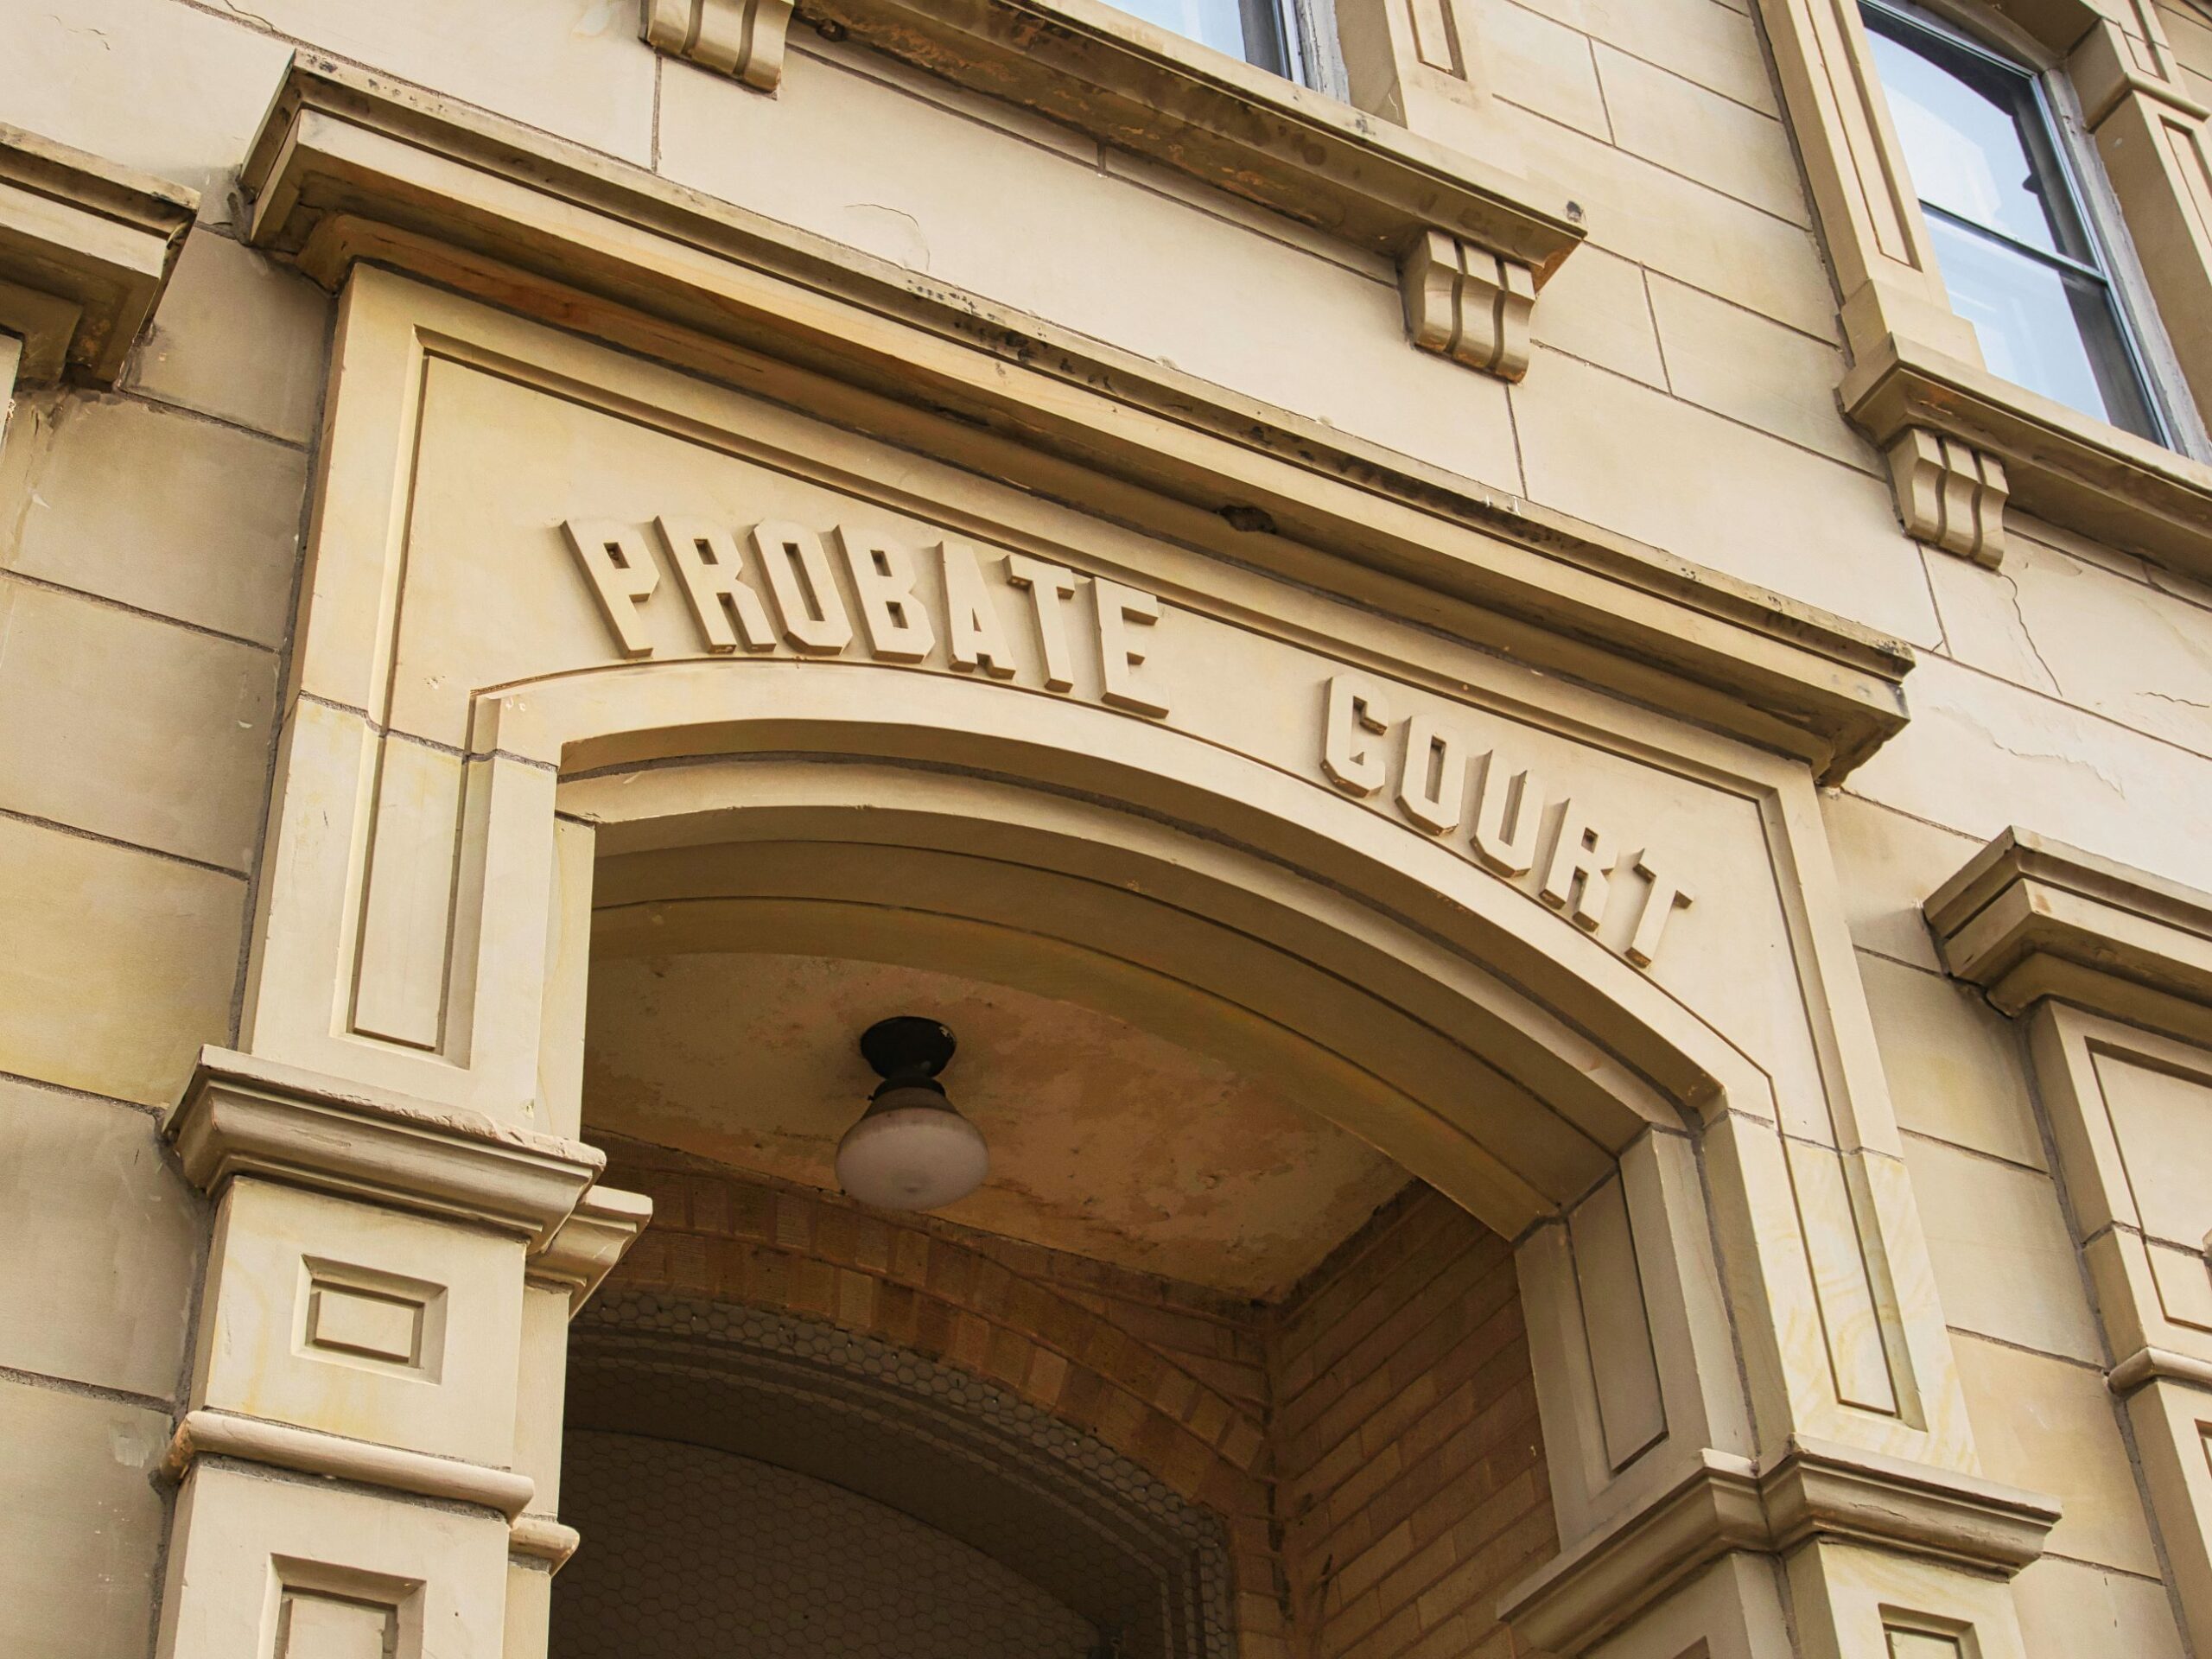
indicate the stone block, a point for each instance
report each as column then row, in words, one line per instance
column 573, row 67
column 908, row 180
column 1612, row 451
column 1542, row 65
column 1981, row 753
column 130, row 728
column 2050, row 1425
column 208, row 533
column 362, row 1322
column 170, row 89
column 1716, row 46
column 1752, row 369
column 101, row 1238
column 312, row 1571
column 80, row 1523
column 1596, row 309
column 1702, row 135
column 114, row 965
column 1888, row 864
column 2069, row 1610
column 1954, row 1065
column 2004, row 1262
column 237, row 337
column 1641, row 211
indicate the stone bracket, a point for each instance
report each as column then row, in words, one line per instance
column 243, row 1116
column 743, row 39
column 1467, row 304
column 1816, row 1490
column 1949, row 494
column 86, row 250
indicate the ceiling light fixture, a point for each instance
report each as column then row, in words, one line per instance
column 910, row 1150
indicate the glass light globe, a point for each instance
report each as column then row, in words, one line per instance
column 912, row 1151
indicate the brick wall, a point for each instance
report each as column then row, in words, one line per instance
column 1370, row 1444
column 1410, row 1468
column 1169, row 1374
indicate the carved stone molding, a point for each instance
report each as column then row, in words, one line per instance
column 242, row 1115
column 739, row 38
column 2112, row 968
column 1818, row 1490
column 1949, row 495
column 312, row 1452
column 542, row 1539
column 586, row 1246
column 347, row 169
column 86, row 249
column 1467, row 304
column 2029, row 917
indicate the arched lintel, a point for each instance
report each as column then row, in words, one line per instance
column 1043, row 785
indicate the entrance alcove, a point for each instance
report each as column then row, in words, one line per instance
column 1189, row 1374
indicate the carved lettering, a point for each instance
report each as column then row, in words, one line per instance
column 975, row 635
column 1050, row 588
column 779, row 587
column 805, row 595
column 712, row 570
column 1355, row 710
column 622, row 575
column 883, row 575
column 1121, row 611
column 1578, row 880
column 1433, row 780
column 1501, row 806
column 1665, row 897
column 1508, row 817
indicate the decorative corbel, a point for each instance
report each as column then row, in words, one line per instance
column 1950, row 495
column 743, row 39
column 1468, row 304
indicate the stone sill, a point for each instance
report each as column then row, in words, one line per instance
column 1205, row 114
column 86, row 248
column 2063, row 467
column 349, row 168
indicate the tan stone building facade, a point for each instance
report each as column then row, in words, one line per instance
column 1532, row 678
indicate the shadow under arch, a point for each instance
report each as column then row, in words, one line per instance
column 1103, row 1536
column 1383, row 980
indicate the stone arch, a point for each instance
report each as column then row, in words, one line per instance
column 1095, row 1528
column 926, row 1292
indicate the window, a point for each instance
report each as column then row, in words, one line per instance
column 1259, row 31
column 2017, row 254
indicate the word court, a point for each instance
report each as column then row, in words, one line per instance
column 1444, row 785
column 779, row 586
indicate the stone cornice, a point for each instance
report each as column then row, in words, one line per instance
column 245, row 1116
column 1819, row 1489
column 2057, row 464
column 86, row 248
column 2029, row 917
column 350, row 168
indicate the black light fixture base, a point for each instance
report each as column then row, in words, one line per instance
column 908, row 1048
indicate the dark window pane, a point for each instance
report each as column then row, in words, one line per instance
column 2042, row 328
